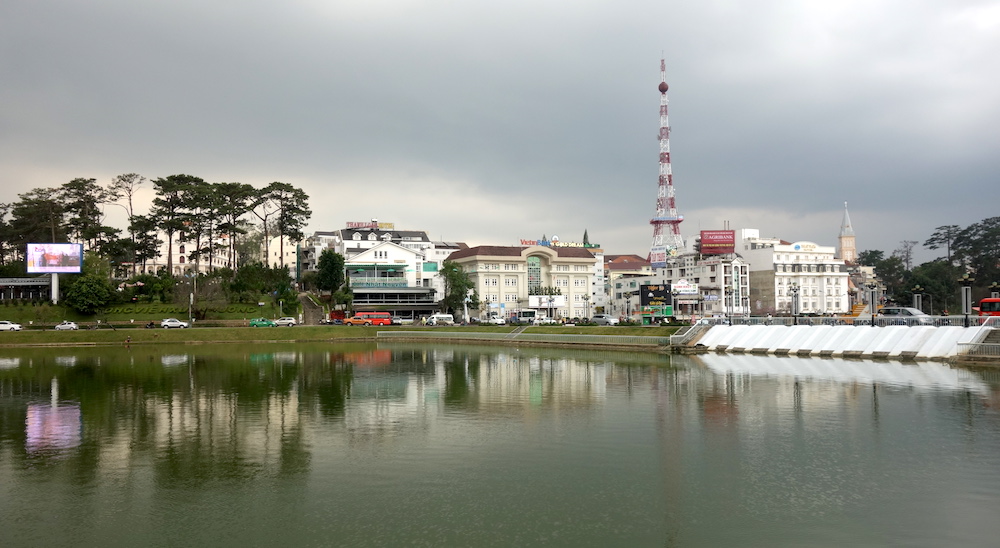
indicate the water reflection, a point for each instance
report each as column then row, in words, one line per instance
column 476, row 445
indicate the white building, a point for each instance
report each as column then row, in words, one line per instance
column 505, row 278
column 803, row 270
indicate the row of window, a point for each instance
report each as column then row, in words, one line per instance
column 511, row 281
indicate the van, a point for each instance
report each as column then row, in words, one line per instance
column 369, row 318
column 441, row 319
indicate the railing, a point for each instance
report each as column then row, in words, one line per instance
column 607, row 340
column 687, row 334
column 865, row 320
column 979, row 349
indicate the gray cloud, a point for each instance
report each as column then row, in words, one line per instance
column 490, row 122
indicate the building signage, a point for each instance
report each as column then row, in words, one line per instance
column 718, row 242
column 804, row 246
column 371, row 224
column 542, row 301
column 658, row 257
column 684, row 287
column 655, row 295
column 554, row 241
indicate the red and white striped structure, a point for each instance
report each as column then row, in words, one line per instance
column 667, row 241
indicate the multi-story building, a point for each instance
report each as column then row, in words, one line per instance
column 387, row 269
column 507, row 279
column 713, row 285
column 781, row 273
column 391, row 278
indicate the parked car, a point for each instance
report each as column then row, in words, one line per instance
column 285, row 322
column 9, row 326
column 262, row 322
column 902, row 315
column 497, row 320
column 67, row 326
column 171, row 323
column 604, row 319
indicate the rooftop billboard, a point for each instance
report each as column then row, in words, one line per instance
column 55, row 258
column 718, row 242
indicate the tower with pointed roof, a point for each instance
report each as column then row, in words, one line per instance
column 846, row 248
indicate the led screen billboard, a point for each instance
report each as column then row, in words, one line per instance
column 55, row 258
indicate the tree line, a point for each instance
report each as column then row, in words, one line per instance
column 229, row 221
column 973, row 250
column 184, row 208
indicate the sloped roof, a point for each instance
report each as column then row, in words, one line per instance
column 516, row 251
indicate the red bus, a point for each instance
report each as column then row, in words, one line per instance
column 989, row 307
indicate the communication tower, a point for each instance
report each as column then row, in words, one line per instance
column 667, row 241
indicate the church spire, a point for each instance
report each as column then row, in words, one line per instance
column 845, row 226
column 846, row 247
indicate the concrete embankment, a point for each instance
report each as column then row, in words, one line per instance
column 896, row 341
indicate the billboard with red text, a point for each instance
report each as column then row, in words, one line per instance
column 718, row 242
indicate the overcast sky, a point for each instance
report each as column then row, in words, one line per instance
column 487, row 122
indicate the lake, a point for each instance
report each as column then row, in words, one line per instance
column 433, row 445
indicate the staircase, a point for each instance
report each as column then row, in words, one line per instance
column 857, row 309
column 312, row 313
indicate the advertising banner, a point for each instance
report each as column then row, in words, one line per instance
column 718, row 242
column 55, row 258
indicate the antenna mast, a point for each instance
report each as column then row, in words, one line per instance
column 671, row 243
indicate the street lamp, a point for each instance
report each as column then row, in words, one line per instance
column 673, row 302
column 729, row 305
column 873, row 298
column 586, row 303
column 793, row 290
column 628, row 307
column 966, row 280
column 994, row 290
column 918, row 294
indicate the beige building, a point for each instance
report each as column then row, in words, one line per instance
column 505, row 278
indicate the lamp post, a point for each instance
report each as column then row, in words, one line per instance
column 793, row 290
column 918, row 294
column 628, row 307
column 729, row 305
column 673, row 301
column 994, row 290
column 586, row 303
column 872, row 298
column 966, row 280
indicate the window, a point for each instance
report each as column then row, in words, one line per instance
column 510, row 281
column 510, row 297
column 356, row 236
column 534, row 272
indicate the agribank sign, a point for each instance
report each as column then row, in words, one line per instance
column 555, row 242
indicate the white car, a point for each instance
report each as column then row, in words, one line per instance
column 173, row 322
column 9, row 326
column 67, row 326
column 285, row 322
column 497, row 320
column 604, row 319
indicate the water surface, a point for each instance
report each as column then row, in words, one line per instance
column 358, row 445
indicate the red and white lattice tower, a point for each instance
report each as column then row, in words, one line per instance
column 667, row 241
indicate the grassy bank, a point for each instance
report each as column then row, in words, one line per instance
column 308, row 333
